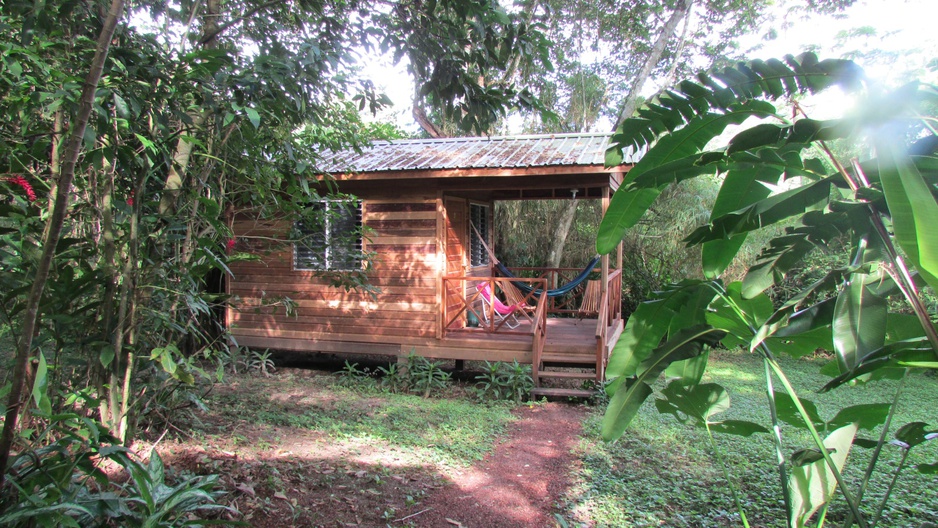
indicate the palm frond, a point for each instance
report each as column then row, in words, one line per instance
column 719, row 91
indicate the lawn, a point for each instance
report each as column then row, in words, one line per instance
column 662, row 473
column 301, row 448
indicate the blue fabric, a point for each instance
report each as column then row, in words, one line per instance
column 556, row 292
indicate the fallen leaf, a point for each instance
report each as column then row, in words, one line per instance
column 245, row 488
column 280, row 495
column 454, row 523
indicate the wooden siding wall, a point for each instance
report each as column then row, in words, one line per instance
column 402, row 238
column 454, row 241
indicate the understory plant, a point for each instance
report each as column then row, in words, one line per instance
column 504, row 381
column 867, row 310
column 424, row 376
column 416, row 374
column 351, row 375
column 73, row 481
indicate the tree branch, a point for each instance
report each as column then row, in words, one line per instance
column 631, row 102
column 219, row 29
column 421, row 116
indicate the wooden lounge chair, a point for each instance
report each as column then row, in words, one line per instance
column 591, row 298
column 501, row 311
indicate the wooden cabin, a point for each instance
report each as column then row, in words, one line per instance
column 426, row 207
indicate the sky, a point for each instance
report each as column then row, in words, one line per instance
column 902, row 29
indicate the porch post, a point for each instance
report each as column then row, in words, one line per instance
column 605, row 258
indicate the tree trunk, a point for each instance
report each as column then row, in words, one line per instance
column 53, row 231
column 567, row 215
column 424, row 121
column 671, row 77
column 180, row 164
column 667, row 32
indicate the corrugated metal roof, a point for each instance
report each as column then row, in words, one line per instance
column 504, row 152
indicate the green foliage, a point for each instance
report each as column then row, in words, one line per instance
column 425, row 376
column 661, row 461
column 261, row 362
column 527, row 231
column 459, row 52
column 62, row 483
column 500, row 380
column 452, row 430
column 417, row 374
column 585, row 83
column 166, row 401
column 392, row 377
column 351, row 375
column 818, row 203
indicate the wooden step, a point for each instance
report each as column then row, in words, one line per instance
column 549, row 357
column 562, row 374
column 562, row 393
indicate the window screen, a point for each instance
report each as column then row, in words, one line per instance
column 332, row 239
column 479, row 217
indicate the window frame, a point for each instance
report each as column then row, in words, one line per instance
column 322, row 257
column 475, row 243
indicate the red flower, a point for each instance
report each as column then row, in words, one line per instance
column 229, row 245
column 130, row 199
column 27, row 188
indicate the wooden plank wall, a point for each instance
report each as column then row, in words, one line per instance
column 403, row 240
column 455, row 229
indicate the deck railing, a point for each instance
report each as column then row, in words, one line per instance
column 610, row 310
column 540, row 338
column 463, row 303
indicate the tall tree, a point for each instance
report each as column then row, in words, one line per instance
column 53, row 230
column 462, row 56
column 167, row 136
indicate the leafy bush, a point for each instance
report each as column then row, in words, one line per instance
column 418, row 375
column 500, row 381
column 63, row 484
column 876, row 214
column 261, row 362
column 424, row 376
column 489, row 383
column 392, row 377
column 352, row 376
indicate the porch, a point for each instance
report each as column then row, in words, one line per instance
column 569, row 337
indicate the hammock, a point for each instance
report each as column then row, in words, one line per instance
column 556, row 292
column 527, row 288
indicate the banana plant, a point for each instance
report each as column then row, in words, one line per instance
column 782, row 173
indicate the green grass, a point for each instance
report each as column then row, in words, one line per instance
column 662, row 473
column 453, row 430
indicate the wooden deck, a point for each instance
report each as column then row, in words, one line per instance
column 557, row 347
column 570, row 343
column 566, row 338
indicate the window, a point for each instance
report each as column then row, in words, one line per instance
column 479, row 219
column 332, row 240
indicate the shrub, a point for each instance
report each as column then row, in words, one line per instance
column 505, row 381
column 62, row 484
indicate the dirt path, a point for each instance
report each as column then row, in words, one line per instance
column 517, row 485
